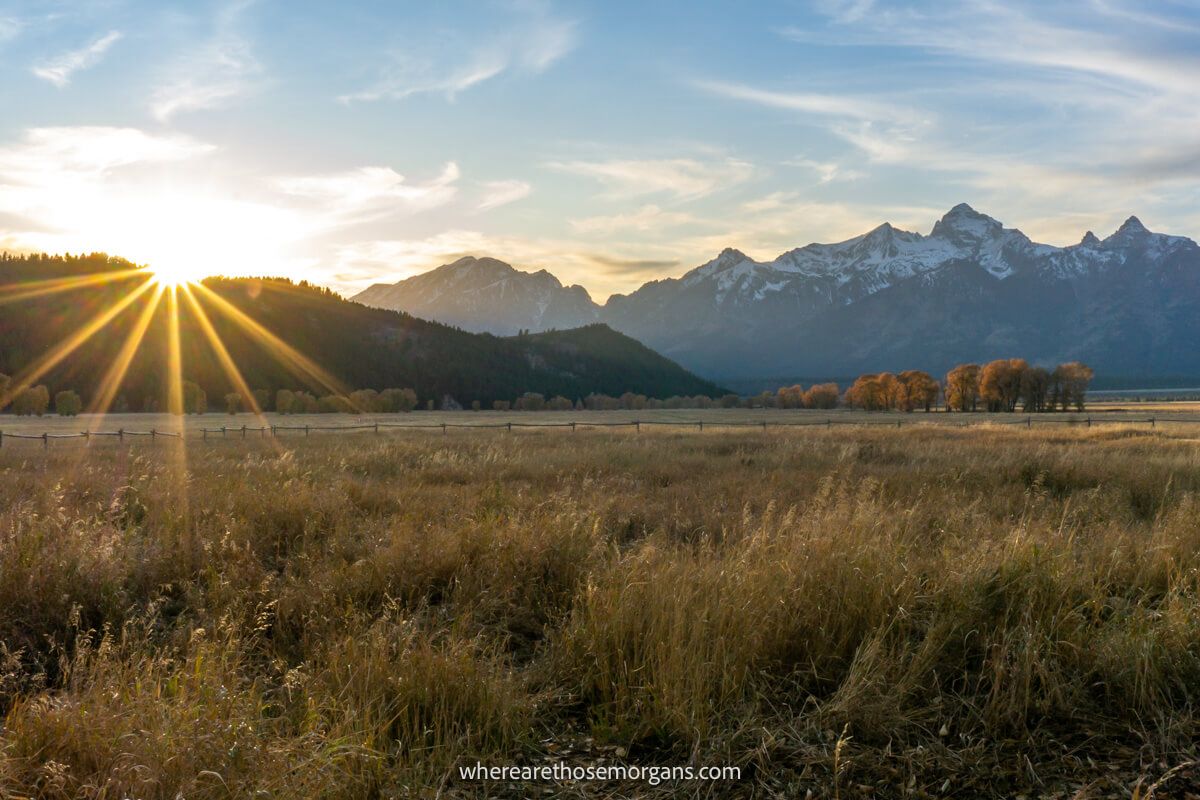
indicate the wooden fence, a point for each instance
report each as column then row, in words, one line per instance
column 244, row 431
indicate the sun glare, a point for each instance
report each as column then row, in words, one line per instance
column 175, row 275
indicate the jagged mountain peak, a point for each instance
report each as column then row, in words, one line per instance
column 1132, row 227
column 1089, row 240
column 962, row 221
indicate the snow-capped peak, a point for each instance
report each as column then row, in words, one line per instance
column 1089, row 240
column 964, row 222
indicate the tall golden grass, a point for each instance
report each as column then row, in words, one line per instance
column 856, row 612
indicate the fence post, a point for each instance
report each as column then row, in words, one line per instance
column 701, row 424
column 637, row 424
column 153, row 434
column 87, row 437
column 764, row 424
column 243, row 431
column 828, row 423
column 510, row 427
column 1151, row 425
column 1, row 438
column 306, row 430
column 222, row 431
column 45, row 441
column 572, row 428
column 121, row 434
column 1089, row 421
column 204, row 434
column 377, row 428
column 1028, row 422
column 273, row 434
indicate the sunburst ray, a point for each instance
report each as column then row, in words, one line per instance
column 111, row 382
column 277, row 346
column 15, row 292
column 69, row 345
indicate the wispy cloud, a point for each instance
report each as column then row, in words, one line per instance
column 45, row 154
column 371, row 193
column 685, row 178
column 825, row 104
column 501, row 193
column 451, row 64
column 10, row 27
column 59, row 69
column 646, row 218
column 221, row 69
column 827, row 171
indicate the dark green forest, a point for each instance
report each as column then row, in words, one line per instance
column 362, row 347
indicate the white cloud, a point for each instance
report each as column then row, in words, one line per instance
column 370, row 193
column 46, row 154
column 531, row 44
column 833, row 105
column 685, row 178
column 501, row 193
column 59, row 70
column 219, row 70
column 827, row 171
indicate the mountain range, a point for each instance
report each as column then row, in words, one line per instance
column 970, row 290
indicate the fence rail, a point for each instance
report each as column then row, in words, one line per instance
column 243, row 431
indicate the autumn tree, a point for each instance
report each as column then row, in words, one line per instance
column 5, row 382
column 195, row 401
column 1000, row 383
column 866, row 393
column 31, row 401
column 233, row 403
column 285, row 401
column 1035, row 388
column 262, row 399
column 822, row 395
column 530, row 401
column 67, row 404
column 893, row 393
column 398, row 400
column 365, row 401
column 790, row 396
column 962, row 388
column 922, row 389
column 1073, row 380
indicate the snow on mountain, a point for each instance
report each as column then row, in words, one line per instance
column 735, row 315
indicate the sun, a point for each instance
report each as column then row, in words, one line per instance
column 175, row 275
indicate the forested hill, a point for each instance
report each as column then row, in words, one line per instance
column 362, row 347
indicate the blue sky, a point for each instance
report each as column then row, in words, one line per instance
column 608, row 142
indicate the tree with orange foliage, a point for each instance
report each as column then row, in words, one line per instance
column 1000, row 383
column 866, row 393
column 922, row 390
column 962, row 388
column 822, row 395
column 790, row 397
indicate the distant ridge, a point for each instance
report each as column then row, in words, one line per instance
column 970, row 290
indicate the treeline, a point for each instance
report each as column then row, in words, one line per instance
column 1002, row 385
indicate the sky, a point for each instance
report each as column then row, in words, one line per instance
column 609, row 142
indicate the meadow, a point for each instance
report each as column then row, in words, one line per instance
column 848, row 612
